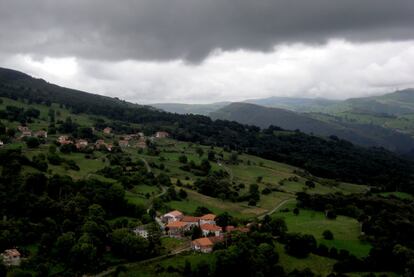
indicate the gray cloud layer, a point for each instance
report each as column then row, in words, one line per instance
column 191, row 29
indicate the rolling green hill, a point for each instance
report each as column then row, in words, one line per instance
column 396, row 103
column 331, row 158
column 318, row 124
column 71, row 211
column 295, row 104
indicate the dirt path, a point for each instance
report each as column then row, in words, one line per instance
column 147, row 165
column 277, row 207
column 228, row 170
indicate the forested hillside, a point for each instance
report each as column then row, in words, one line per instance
column 363, row 134
column 82, row 175
column 331, row 158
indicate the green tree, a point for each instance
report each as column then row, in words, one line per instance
column 127, row 245
column 328, row 235
column 182, row 194
column 224, row 219
column 296, row 211
column 199, row 151
column 32, row 142
column 183, row 159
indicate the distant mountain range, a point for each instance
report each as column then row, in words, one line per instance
column 384, row 121
column 396, row 103
column 203, row 109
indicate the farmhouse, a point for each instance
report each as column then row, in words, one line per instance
column 141, row 231
column 141, row 143
column 64, row 140
column 123, row 143
column 161, row 134
column 81, row 144
column 191, row 221
column 100, row 143
column 11, row 257
column 26, row 134
column 107, row 130
column 41, row 134
column 210, row 229
column 205, row 245
column 208, row 219
column 23, row 128
column 172, row 216
column 1, row 143
column 176, row 228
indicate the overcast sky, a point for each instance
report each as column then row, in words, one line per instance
column 200, row 51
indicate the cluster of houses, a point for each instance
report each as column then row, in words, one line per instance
column 176, row 225
column 26, row 132
column 132, row 140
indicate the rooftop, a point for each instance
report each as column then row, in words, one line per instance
column 208, row 217
column 11, row 253
column 204, row 242
column 175, row 213
column 176, row 224
column 188, row 218
column 210, row 227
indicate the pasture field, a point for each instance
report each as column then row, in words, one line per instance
column 346, row 230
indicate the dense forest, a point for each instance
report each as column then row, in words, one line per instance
column 325, row 157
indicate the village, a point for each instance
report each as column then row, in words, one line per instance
column 138, row 140
column 177, row 225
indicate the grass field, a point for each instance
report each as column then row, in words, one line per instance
column 247, row 171
column 398, row 194
column 215, row 205
column 346, row 230
column 320, row 265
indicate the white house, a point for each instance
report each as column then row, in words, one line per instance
column 141, row 231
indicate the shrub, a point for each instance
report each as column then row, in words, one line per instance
column 328, row 235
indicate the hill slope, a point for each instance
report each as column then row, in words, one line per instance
column 329, row 158
column 396, row 103
column 202, row 109
column 295, row 104
column 362, row 134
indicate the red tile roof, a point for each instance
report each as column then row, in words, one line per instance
column 188, row 218
column 176, row 225
column 203, row 242
column 210, row 227
column 208, row 217
column 12, row 253
column 175, row 213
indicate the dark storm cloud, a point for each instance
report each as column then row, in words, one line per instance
column 191, row 29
